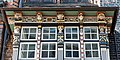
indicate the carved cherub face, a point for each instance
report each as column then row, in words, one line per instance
column 101, row 16
column 17, row 15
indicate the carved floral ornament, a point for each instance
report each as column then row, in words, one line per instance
column 100, row 16
column 60, row 16
column 80, row 16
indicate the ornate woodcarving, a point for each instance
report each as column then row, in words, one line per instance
column 80, row 16
column 49, row 19
column 104, row 39
column 39, row 16
column 90, row 19
column 60, row 34
column 60, row 16
column 100, row 16
column 108, row 20
column 18, row 16
column 29, row 19
column 16, row 34
column 102, row 29
column 71, row 19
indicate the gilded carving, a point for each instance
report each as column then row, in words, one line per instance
column 39, row 17
column 60, row 16
column 101, row 16
column 80, row 16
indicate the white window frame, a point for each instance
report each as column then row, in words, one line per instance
column 90, row 32
column 29, row 32
column 48, row 50
column 27, row 50
column 71, row 33
column 50, row 33
column 92, row 50
column 71, row 50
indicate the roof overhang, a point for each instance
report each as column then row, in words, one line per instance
column 111, row 11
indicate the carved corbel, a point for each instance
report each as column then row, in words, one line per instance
column 18, row 16
column 39, row 16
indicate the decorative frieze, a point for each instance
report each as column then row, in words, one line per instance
column 90, row 19
column 49, row 19
column 29, row 19
column 71, row 19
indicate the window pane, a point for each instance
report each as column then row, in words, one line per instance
column 93, row 30
column 87, row 46
column 44, row 46
column 74, row 36
column 94, row 46
column 94, row 36
column 44, row 54
column 87, row 30
column 31, row 46
column 32, row 36
column 32, row 30
column 75, row 47
column 31, row 54
column 75, row 54
column 23, row 54
column 24, row 36
column 88, row 54
column 52, row 54
column 87, row 36
column 24, row 46
column 95, row 53
column 74, row 30
column 52, row 47
column 45, row 36
column 52, row 30
column 46, row 30
column 68, row 54
column 68, row 46
column 52, row 36
column 25, row 30
column 68, row 36
column 68, row 30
